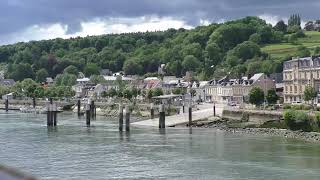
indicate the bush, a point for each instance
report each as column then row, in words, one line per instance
column 297, row 107
column 289, row 117
column 317, row 119
column 297, row 120
column 287, row 106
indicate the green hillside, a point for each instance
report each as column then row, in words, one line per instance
column 212, row 51
column 284, row 49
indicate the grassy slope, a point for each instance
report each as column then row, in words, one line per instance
column 283, row 49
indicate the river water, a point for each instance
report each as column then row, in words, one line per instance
column 73, row 151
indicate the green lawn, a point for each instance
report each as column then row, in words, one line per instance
column 284, row 49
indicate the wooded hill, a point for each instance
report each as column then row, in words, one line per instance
column 210, row 51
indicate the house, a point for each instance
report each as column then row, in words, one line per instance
column 237, row 90
column 152, row 82
column 82, row 87
column 298, row 73
column 7, row 82
column 49, row 81
column 8, row 96
column 83, row 81
column 105, row 72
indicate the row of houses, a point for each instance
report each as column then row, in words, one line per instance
column 298, row 73
column 237, row 90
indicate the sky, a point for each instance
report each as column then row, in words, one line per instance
column 25, row 20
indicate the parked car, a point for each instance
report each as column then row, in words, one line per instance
column 232, row 103
column 296, row 103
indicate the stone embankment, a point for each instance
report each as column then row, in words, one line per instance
column 222, row 125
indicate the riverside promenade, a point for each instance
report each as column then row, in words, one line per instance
column 205, row 111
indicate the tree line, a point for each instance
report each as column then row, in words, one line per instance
column 209, row 51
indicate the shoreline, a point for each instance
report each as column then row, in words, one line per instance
column 313, row 137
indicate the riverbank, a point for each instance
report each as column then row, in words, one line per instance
column 221, row 125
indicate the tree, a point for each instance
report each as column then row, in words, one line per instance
column 65, row 80
column 41, row 75
column 294, row 29
column 190, row 63
column 127, row 94
column 29, row 87
column 213, row 53
column 157, row 92
column 272, row 97
column 309, row 94
column 91, row 69
column 256, row 38
column 303, row 51
column 316, row 51
column 132, row 67
column 19, row 72
column 281, row 26
column 256, row 96
column 112, row 92
column 294, row 20
column 97, row 79
column 71, row 70
column 178, row 91
column 245, row 50
column 309, row 26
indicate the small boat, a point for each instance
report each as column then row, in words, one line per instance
column 33, row 110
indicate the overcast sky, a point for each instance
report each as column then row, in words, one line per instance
column 24, row 20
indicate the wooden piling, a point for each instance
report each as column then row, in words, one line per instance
column 7, row 104
column 34, row 102
column 152, row 111
column 88, row 116
column 162, row 117
column 190, row 116
column 92, row 110
column 214, row 109
column 127, row 118
column 54, row 114
column 120, row 117
column 79, row 107
column 49, row 115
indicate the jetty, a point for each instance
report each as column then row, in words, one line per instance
column 205, row 111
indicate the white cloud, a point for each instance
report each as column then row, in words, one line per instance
column 96, row 26
column 204, row 22
column 271, row 19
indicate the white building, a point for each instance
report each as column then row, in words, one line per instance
column 237, row 90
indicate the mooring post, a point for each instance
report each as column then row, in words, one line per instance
column 120, row 117
column 88, row 116
column 54, row 114
column 7, row 104
column 92, row 109
column 182, row 107
column 49, row 114
column 190, row 116
column 79, row 107
column 214, row 109
column 152, row 111
column 34, row 102
column 127, row 118
column 162, row 117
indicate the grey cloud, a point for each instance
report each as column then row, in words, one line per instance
column 19, row 14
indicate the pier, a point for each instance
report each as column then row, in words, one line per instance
column 205, row 111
